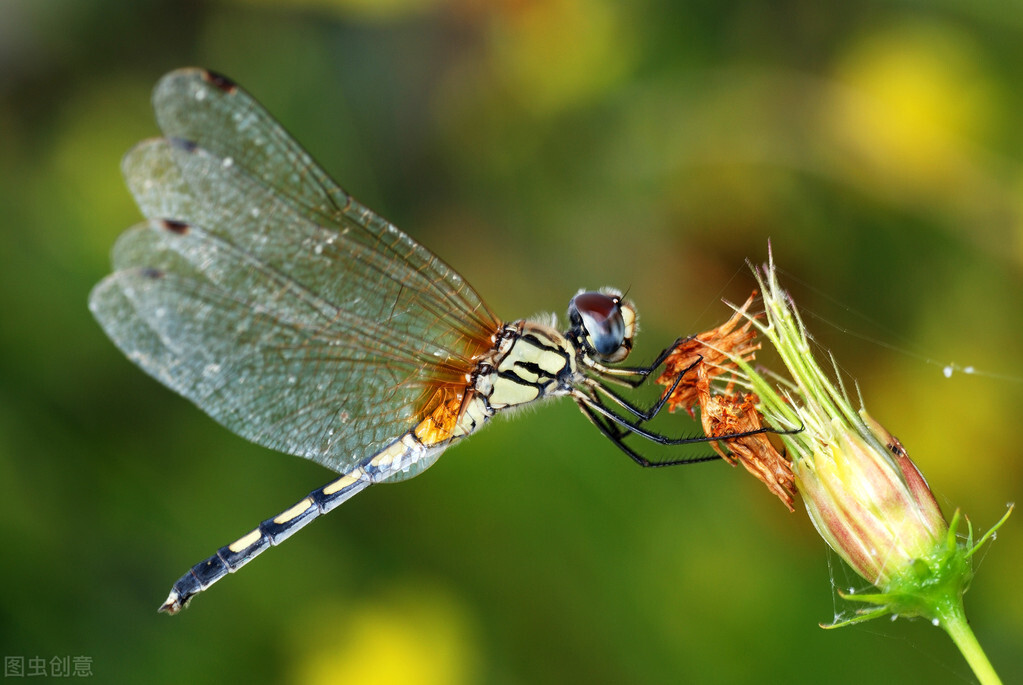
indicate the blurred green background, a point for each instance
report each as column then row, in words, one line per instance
column 538, row 146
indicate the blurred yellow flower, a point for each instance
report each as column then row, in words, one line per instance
column 916, row 99
column 414, row 635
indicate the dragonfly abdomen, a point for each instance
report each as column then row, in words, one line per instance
column 393, row 461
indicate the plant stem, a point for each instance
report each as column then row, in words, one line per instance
column 952, row 618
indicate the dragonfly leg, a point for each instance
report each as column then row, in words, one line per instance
column 643, row 414
column 635, row 376
column 616, row 428
column 616, row 435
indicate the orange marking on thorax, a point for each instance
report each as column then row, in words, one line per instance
column 444, row 408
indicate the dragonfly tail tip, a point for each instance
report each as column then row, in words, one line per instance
column 173, row 604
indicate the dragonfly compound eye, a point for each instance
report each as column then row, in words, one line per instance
column 606, row 323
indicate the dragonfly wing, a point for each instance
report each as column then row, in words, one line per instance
column 219, row 117
column 262, row 293
column 275, row 374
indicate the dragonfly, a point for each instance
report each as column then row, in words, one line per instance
column 299, row 319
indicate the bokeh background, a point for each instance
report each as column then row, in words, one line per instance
column 539, row 146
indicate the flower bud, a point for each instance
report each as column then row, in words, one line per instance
column 865, row 496
column 858, row 496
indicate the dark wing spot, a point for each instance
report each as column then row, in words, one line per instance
column 151, row 273
column 179, row 227
column 220, row 81
column 182, row 144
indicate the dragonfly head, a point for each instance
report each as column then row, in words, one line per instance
column 603, row 323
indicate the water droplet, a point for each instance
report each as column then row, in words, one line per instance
column 968, row 369
column 227, row 163
column 318, row 249
column 947, row 371
column 200, row 95
column 935, row 622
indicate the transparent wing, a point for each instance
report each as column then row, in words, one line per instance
column 261, row 292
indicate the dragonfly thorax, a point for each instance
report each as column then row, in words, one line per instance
column 529, row 361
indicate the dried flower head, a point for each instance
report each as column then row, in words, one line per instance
column 712, row 357
column 729, row 413
column 713, row 353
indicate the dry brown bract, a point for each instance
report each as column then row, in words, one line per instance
column 723, row 411
column 715, row 347
column 724, row 414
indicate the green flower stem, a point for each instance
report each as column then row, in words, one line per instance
column 952, row 618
